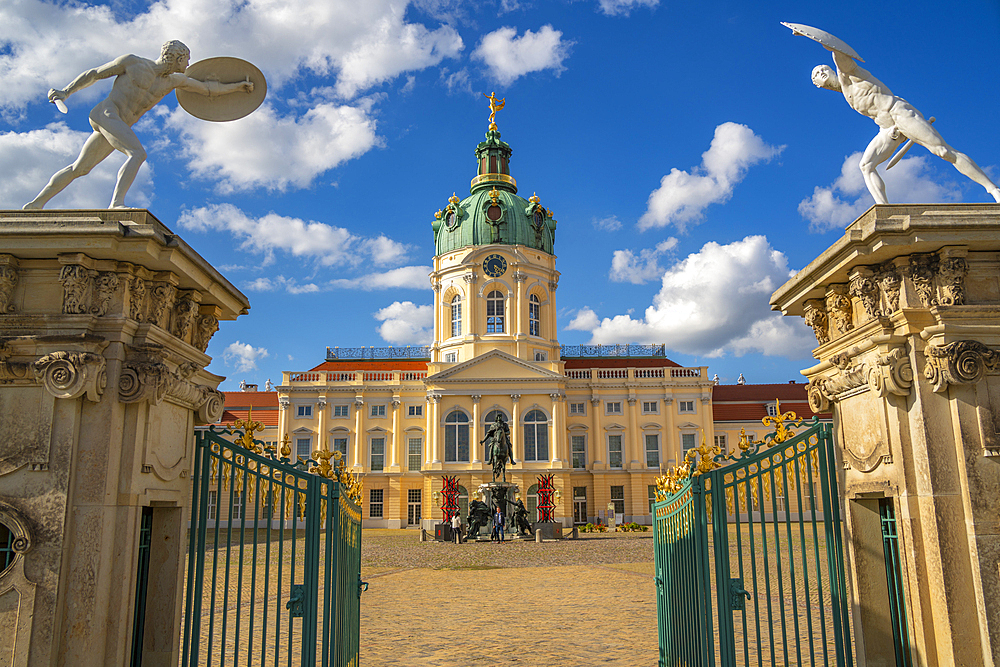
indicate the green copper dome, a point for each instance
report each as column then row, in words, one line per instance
column 493, row 212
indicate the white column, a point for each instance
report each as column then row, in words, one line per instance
column 558, row 429
column 321, row 438
column 515, row 429
column 359, row 434
column 394, row 452
column 596, row 445
column 634, row 436
column 432, row 431
column 475, row 428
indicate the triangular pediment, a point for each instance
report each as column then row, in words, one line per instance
column 688, row 425
column 494, row 366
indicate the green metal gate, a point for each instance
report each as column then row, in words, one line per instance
column 274, row 577
column 749, row 555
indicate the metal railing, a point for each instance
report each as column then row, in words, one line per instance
column 386, row 352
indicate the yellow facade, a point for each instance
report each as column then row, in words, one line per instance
column 626, row 416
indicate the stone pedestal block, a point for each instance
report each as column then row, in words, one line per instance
column 104, row 321
column 906, row 311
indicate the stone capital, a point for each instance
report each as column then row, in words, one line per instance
column 72, row 374
column 960, row 362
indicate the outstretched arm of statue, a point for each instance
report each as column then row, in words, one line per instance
column 210, row 88
column 91, row 76
column 845, row 63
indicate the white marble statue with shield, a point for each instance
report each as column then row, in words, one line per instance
column 898, row 121
column 139, row 84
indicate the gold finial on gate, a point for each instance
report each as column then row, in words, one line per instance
column 286, row 448
column 781, row 431
column 249, row 427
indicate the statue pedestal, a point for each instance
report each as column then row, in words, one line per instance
column 104, row 320
column 486, row 494
column 906, row 311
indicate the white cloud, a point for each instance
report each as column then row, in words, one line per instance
column 412, row 277
column 359, row 44
column 405, row 323
column 510, row 57
column 28, row 160
column 624, row 7
column 243, row 356
column 682, row 196
column 711, row 303
column 326, row 244
column 457, row 81
column 265, row 150
column 608, row 224
column 627, row 268
column 839, row 204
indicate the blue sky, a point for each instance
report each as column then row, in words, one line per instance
column 689, row 161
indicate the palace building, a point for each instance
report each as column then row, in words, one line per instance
column 605, row 421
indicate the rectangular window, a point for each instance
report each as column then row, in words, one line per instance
column 650, row 407
column 618, row 498
column 415, row 411
column 615, row 451
column 340, row 445
column 652, row 497
column 375, row 497
column 378, row 411
column 413, row 502
column 541, row 356
column 613, row 407
column 685, row 406
column 579, row 446
column 303, row 447
column 304, row 411
column 451, row 357
column 687, row 442
column 414, row 445
column 652, row 451
column 456, row 444
column 378, row 454
column 341, row 410
column 578, row 408
column 213, row 505
column 236, row 509
column 720, row 441
column 772, row 410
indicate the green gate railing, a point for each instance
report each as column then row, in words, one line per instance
column 749, row 556
column 274, row 562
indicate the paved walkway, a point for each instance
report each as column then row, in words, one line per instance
column 598, row 614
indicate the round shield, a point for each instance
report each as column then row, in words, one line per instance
column 228, row 106
column 824, row 38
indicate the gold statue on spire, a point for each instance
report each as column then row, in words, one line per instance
column 494, row 107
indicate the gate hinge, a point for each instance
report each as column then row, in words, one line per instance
column 362, row 586
column 296, row 600
column 736, row 593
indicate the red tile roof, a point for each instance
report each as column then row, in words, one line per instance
column 239, row 404
column 748, row 402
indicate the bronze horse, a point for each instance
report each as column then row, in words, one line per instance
column 500, row 450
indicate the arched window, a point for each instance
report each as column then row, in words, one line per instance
column 534, row 312
column 491, row 417
column 536, row 436
column 456, row 437
column 456, row 316
column 494, row 312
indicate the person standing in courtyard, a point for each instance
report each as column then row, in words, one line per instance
column 139, row 84
column 456, row 527
column 498, row 525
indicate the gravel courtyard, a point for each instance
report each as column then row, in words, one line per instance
column 589, row 601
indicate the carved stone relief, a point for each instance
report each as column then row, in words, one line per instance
column 864, row 288
column 144, row 376
column 205, row 327
column 815, row 316
column 839, row 311
column 106, row 288
column 922, row 268
column 951, row 275
column 960, row 362
column 137, row 299
column 76, row 281
column 889, row 284
column 161, row 303
column 72, row 374
column 8, row 281
column 185, row 312
column 888, row 373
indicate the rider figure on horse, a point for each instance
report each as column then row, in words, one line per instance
column 500, row 450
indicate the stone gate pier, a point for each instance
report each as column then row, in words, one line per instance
column 906, row 311
column 104, row 321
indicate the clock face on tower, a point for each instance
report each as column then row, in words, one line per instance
column 494, row 266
